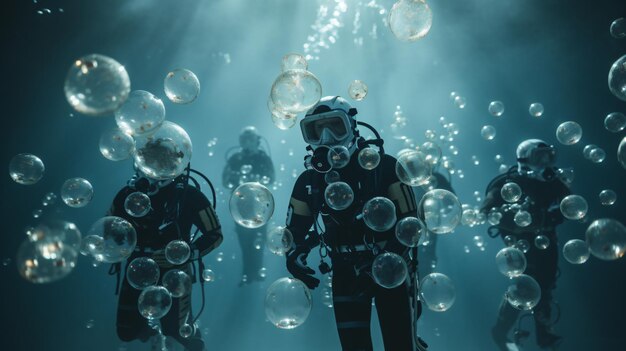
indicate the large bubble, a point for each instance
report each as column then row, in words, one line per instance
column 338, row 156
column 379, row 214
column 154, row 302
column 177, row 282
column 412, row 168
column 621, row 152
column 26, row 169
column 296, row 91
column 442, row 211
column 287, row 303
column 142, row 272
column 279, row 240
column 615, row 122
column 488, row 132
column 617, row 78
column 607, row 239
column 142, row 113
column 369, row 158
column 569, row 133
column 523, row 293
column 177, row 252
column 511, row 262
column 76, row 192
column 96, row 85
column 45, row 261
column 164, row 154
column 608, row 197
column 339, row 196
column 535, row 109
column 389, row 270
column 618, row 28
column 118, row 239
column 574, row 207
column 251, row 205
column 576, row 251
column 409, row 230
column 437, row 292
column 511, row 192
column 357, row 90
column 181, row 86
column 410, row 20
column 293, row 61
column 137, row 204
column 523, row 218
column 496, row 108
column 116, row 145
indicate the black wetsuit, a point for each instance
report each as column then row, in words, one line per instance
column 542, row 265
column 195, row 209
column 261, row 170
column 352, row 285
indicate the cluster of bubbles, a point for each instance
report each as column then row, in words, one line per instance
column 287, row 303
column 110, row 239
column 458, row 100
column 569, row 133
column 437, row 292
column 410, row 20
column 26, row 169
column 279, row 240
column 442, row 211
column 49, row 253
column 295, row 90
column 76, row 192
column 251, row 205
column 594, row 153
column 326, row 28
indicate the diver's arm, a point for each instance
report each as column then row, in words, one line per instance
column 209, row 226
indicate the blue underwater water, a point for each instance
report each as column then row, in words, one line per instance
column 554, row 52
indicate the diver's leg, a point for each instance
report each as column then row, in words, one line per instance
column 507, row 315
column 545, row 272
column 395, row 317
column 353, row 309
column 130, row 324
column 249, row 254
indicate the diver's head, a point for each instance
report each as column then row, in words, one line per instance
column 143, row 183
column 329, row 123
column 536, row 157
column 249, row 139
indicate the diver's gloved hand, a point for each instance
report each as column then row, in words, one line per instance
column 297, row 266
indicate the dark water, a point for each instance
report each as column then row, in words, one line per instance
column 554, row 52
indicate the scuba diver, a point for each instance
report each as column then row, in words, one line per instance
column 176, row 206
column 345, row 238
column 427, row 252
column 249, row 164
column 543, row 191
